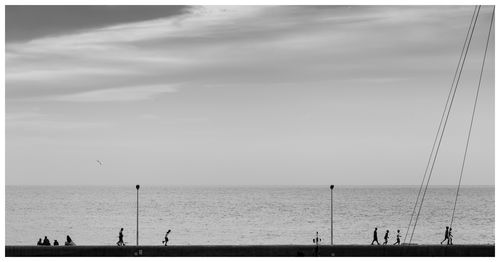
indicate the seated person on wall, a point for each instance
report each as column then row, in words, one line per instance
column 69, row 241
column 46, row 241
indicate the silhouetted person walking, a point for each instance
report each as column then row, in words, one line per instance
column 386, row 237
column 398, row 241
column 316, row 241
column 375, row 237
column 120, row 238
column 46, row 241
column 450, row 238
column 69, row 241
column 446, row 235
column 39, row 242
column 166, row 237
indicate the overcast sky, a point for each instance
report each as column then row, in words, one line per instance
column 245, row 95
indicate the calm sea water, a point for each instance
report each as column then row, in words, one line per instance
column 242, row 215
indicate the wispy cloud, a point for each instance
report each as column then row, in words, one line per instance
column 117, row 94
column 219, row 44
column 64, row 73
column 38, row 122
column 71, row 66
column 42, row 125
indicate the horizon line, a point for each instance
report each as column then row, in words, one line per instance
column 243, row 185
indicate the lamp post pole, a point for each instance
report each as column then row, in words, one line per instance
column 137, row 229
column 331, row 214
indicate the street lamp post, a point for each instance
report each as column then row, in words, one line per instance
column 137, row 229
column 331, row 214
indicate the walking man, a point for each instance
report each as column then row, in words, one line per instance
column 316, row 241
column 446, row 235
column 398, row 242
column 386, row 237
column 166, row 237
column 375, row 237
column 120, row 238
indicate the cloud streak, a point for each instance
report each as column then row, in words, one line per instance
column 117, row 94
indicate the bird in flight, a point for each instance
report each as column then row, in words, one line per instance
column 100, row 162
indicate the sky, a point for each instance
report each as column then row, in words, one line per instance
column 243, row 95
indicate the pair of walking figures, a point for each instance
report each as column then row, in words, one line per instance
column 448, row 236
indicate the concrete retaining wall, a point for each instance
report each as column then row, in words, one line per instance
column 235, row 251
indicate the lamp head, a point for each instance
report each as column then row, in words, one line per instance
column 137, row 187
column 331, row 186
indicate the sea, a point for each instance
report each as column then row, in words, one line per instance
column 244, row 215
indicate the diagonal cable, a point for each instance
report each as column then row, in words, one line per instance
column 472, row 117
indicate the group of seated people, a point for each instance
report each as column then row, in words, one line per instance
column 46, row 242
